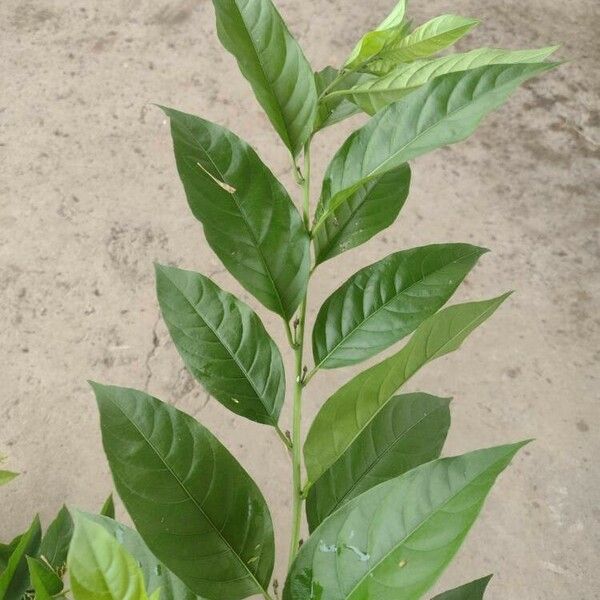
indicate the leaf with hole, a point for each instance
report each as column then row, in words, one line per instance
column 396, row 539
column 445, row 111
column 193, row 504
column 469, row 591
column 376, row 93
column 410, row 430
column 369, row 210
column 384, row 302
column 345, row 415
column 223, row 343
column 271, row 60
column 248, row 218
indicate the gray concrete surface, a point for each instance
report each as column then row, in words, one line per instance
column 89, row 197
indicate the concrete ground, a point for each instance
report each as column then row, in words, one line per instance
column 89, row 198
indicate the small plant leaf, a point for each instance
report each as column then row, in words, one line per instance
column 272, row 61
column 248, row 218
column 375, row 93
column 345, row 415
column 223, row 343
column 108, row 508
column 426, row 40
column 410, row 430
column 391, row 29
column 14, row 579
column 193, row 504
column 384, row 302
column 469, row 591
column 369, row 210
column 445, row 111
column 6, row 477
column 56, row 540
column 46, row 583
column 156, row 574
column 99, row 567
column 396, row 539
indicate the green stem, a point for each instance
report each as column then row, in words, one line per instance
column 298, row 346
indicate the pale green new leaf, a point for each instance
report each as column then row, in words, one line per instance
column 426, row 40
column 56, row 540
column 193, row 504
column 248, row 218
column 156, row 575
column 272, row 61
column 345, row 415
column 46, row 583
column 392, row 28
column 410, row 430
column 396, row 539
column 100, row 568
column 6, row 477
column 384, row 302
column 369, row 210
column 14, row 579
column 469, row 591
column 445, row 111
column 377, row 93
column 223, row 343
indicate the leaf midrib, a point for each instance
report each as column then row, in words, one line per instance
column 385, row 305
column 423, row 522
column 189, row 495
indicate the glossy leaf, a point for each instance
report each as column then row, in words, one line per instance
column 469, row 591
column 56, row 540
column 195, row 507
column 336, row 108
column 410, row 430
column 443, row 112
column 108, row 508
column 248, row 218
column 428, row 39
column 374, row 94
column 345, row 415
column 46, row 583
column 384, row 302
column 156, row 574
column 100, row 568
column 391, row 29
column 369, row 210
column 14, row 579
column 395, row 540
column 272, row 61
column 223, row 343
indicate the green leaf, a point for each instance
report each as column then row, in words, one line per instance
column 445, row 111
column 369, row 210
column 346, row 414
column 337, row 108
column 196, row 508
column 374, row 94
column 428, row 39
column 14, row 580
column 108, row 508
column 410, row 430
column 223, row 343
column 395, row 540
column 156, row 575
column 6, row 476
column 391, row 29
column 100, row 568
column 272, row 61
column 6, row 551
column 469, row 591
column 46, row 583
column 248, row 218
column 56, row 540
column 384, row 302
